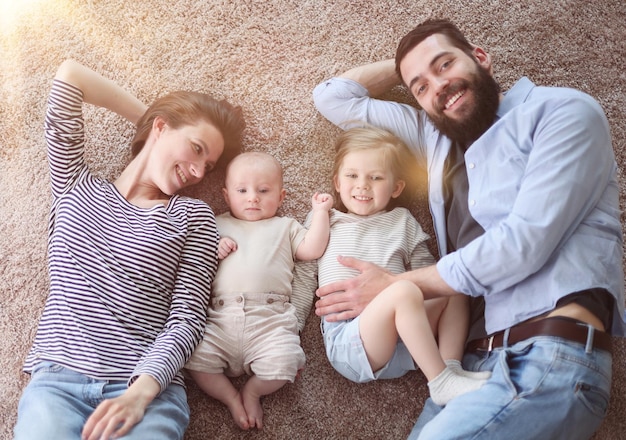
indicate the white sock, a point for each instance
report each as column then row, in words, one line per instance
column 449, row 384
column 455, row 365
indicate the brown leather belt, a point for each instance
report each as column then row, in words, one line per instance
column 561, row 327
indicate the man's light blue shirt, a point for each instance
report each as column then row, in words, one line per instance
column 542, row 183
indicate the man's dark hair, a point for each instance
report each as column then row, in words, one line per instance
column 425, row 30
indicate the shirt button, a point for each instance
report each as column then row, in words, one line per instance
column 471, row 165
column 472, row 202
column 239, row 299
column 221, row 302
column 270, row 300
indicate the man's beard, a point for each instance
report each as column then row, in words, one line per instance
column 478, row 118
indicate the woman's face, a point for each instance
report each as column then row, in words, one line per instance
column 182, row 156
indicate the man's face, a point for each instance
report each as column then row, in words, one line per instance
column 456, row 90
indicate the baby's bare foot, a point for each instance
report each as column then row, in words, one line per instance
column 253, row 408
column 237, row 410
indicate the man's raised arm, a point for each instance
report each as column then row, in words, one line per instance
column 378, row 77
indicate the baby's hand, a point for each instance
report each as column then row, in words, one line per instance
column 299, row 373
column 322, row 202
column 226, row 246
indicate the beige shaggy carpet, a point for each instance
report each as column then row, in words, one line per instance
column 266, row 55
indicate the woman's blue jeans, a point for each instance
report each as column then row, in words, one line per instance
column 540, row 388
column 58, row 401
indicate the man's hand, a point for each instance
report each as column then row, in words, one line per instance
column 225, row 247
column 114, row 418
column 346, row 299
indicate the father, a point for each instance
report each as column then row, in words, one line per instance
column 524, row 197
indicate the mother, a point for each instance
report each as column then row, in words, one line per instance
column 130, row 265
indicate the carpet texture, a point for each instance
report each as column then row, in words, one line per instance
column 266, row 55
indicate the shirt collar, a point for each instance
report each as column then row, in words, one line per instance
column 515, row 96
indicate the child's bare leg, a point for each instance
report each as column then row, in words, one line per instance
column 452, row 327
column 252, row 392
column 400, row 311
column 219, row 387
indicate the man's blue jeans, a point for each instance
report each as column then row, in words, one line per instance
column 57, row 402
column 540, row 388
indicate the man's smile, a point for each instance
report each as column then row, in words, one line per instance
column 454, row 99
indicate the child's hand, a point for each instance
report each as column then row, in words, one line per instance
column 226, row 246
column 322, row 202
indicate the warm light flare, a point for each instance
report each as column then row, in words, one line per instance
column 12, row 11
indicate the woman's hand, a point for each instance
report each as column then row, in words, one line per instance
column 114, row 418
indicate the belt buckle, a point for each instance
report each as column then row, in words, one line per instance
column 490, row 346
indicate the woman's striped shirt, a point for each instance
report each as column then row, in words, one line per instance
column 129, row 287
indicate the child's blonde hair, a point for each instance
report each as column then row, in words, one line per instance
column 396, row 157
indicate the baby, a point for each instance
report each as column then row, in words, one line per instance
column 253, row 324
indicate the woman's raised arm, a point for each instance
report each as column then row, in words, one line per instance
column 100, row 91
